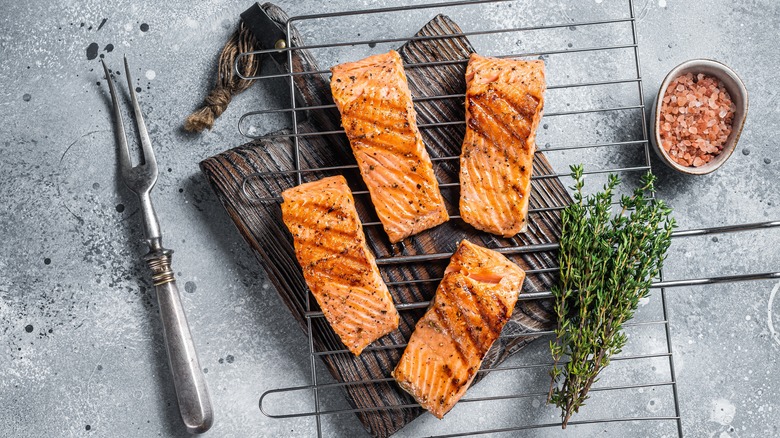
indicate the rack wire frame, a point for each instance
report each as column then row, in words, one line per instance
column 315, row 387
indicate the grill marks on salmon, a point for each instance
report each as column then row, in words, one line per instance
column 376, row 109
column 504, row 101
column 472, row 304
column 338, row 266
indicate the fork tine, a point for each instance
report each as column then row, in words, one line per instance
column 146, row 144
column 121, row 137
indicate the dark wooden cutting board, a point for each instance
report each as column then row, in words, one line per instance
column 261, row 225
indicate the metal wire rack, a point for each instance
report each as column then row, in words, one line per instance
column 632, row 114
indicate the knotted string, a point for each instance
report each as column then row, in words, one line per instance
column 228, row 84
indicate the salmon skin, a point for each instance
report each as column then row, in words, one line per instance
column 376, row 109
column 474, row 300
column 338, row 267
column 504, row 101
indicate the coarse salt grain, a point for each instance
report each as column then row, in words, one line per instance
column 698, row 113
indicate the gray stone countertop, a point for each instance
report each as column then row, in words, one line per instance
column 81, row 352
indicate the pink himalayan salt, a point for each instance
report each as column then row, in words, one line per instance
column 698, row 113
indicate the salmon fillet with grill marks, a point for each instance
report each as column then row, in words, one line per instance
column 504, row 101
column 381, row 124
column 339, row 269
column 474, row 300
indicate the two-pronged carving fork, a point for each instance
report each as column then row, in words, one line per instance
column 188, row 378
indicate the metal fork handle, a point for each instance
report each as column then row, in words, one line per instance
column 188, row 379
column 149, row 216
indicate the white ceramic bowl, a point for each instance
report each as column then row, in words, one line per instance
column 739, row 96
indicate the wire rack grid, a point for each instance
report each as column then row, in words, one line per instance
column 617, row 117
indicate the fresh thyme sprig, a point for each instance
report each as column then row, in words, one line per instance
column 607, row 263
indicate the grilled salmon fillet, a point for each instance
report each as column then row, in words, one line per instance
column 474, row 300
column 337, row 265
column 376, row 109
column 504, row 101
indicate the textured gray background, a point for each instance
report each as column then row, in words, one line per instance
column 81, row 352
